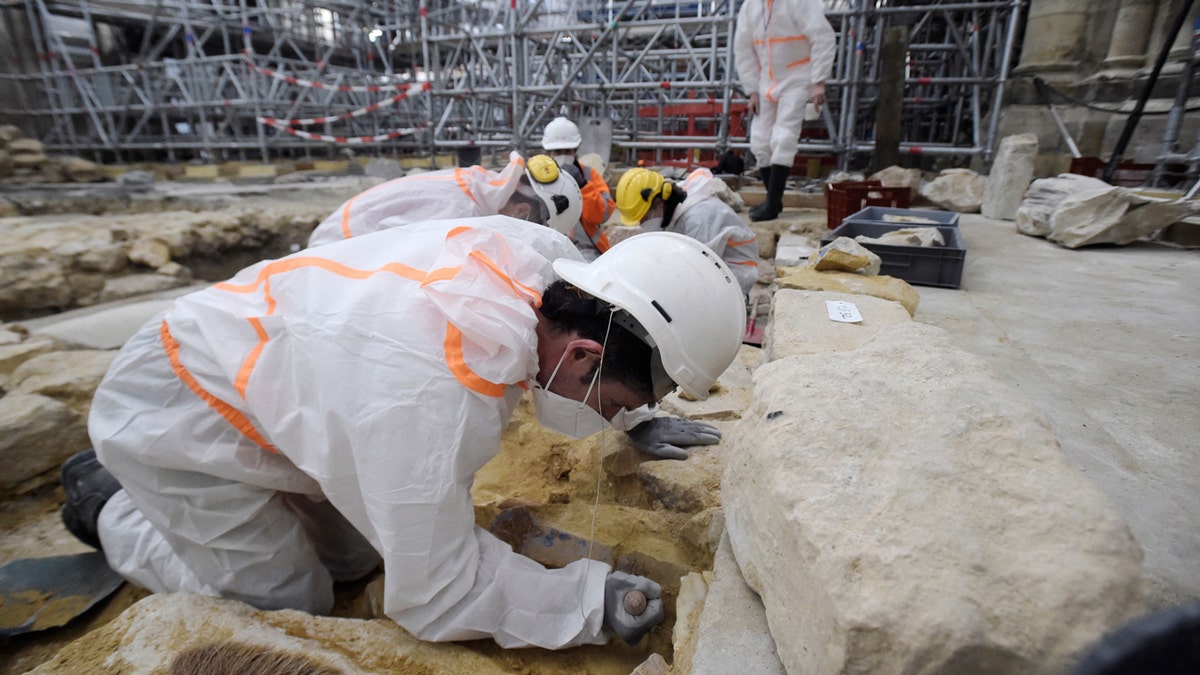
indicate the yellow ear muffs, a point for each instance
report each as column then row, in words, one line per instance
column 542, row 168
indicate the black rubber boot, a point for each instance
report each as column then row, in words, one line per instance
column 772, row 205
column 88, row 487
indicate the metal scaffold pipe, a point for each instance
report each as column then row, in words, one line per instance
column 192, row 78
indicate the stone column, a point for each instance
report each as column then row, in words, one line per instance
column 1055, row 35
column 1179, row 48
column 1131, row 34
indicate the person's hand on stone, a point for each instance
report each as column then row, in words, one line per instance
column 664, row 437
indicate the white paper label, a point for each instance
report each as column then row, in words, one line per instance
column 845, row 312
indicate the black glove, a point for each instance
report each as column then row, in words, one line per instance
column 661, row 437
column 617, row 618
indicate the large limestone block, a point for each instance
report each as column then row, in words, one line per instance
column 148, row 637
column 800, row 323
column 70, row 377
column 882, row 286
column 956, row 190
column 37, row 434
column 1045, row 194
column 1011, row 173
column 901, row 510
column 1117, row 218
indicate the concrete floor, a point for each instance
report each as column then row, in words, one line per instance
column 1106, row 342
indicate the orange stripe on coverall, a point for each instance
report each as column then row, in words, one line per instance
column 231, row 414
column 771, row 69
column 346, row 209
column 454, row 359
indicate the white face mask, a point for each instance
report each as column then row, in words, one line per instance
column 564, row 160
column 625, row 420
column 652, row 224
column 566, row 415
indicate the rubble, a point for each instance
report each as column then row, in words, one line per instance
column 1011, row 173
column 959, row 190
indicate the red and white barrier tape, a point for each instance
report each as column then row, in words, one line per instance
column 329, row 87
column 348, row 140
column 388, row 102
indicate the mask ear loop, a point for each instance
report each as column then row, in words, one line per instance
column 599, row 465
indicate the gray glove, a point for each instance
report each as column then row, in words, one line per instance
column 661, row 437
column 617, row 618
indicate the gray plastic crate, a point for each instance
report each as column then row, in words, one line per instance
column 875, row 214
column 922, row 265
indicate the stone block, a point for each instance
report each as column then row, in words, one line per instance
column 727, row 398
column 1045, row 194
column 258, row 171
column 150, row 635
column 1011, row 174
column 879, row 286
column 900, row 509
column 14, row 354
column 37, row 434
column 800, row 323
column 202, row 172
column 70, row 376
column 733, row 635
column 956, row 190
column 845, row 255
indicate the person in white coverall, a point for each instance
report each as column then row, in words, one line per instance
column 783, row 52
column 535, row 190
column 476, row 191
column 561, row 139
column 321, row 413
column 690, row 208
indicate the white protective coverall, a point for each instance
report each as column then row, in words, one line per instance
column 781, row 47
column 316, row 413
column 449, row 193
column 709, row 220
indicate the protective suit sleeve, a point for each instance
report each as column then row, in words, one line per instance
column 744, row 55
column 821, row 38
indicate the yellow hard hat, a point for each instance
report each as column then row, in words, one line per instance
column 636, row 192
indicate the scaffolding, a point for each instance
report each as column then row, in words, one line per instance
column 124, row 80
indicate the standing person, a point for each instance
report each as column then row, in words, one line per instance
column 327, row 411
column 561, row 140
column 690, row 208
column 535, row 191
column 784, row 52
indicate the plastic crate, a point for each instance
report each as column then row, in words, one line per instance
column 847, row 197
column 879, row 214
column 940, row 266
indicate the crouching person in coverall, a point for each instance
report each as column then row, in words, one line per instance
column 320, row 413
column 690, row 208
column 533, row 190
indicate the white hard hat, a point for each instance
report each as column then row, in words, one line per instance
column 557, row 190
column 561, row 134
column 681, row 292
